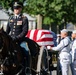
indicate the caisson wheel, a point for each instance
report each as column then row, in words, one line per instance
column 43, row 64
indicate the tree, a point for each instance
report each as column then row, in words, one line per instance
column 56, row 11
column 52, row 11
column 6, row 4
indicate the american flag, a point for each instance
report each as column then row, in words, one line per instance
column 41, row 37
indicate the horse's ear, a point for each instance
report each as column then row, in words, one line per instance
column 2, row 28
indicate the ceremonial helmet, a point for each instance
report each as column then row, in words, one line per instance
column 17, row 5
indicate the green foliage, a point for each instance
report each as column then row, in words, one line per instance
column 46, row 20
column 6, row 4
column 51, row 10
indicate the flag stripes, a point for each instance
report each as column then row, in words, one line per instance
column 42, row 37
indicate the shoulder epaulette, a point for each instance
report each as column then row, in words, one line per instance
column 23, row 16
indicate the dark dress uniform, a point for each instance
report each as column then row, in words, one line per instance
column 17, row 27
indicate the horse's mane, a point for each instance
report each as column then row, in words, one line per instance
column 7, row 42
column 4, row 34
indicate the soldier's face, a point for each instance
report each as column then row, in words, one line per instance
column 17, row 11
column 73, row 35
column 63, row 34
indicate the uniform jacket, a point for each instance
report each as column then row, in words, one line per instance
column 64, row 48
column 17, row 27
column 73, row 51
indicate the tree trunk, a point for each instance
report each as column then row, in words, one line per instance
column 39, row 21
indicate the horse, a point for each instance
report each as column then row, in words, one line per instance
column 11, row 56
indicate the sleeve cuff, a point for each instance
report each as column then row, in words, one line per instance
column 48, row 47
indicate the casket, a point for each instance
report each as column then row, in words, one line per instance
column 41, row 37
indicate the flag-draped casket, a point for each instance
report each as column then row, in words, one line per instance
column 41, row 37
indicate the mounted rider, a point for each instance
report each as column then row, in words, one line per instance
column 17, row 27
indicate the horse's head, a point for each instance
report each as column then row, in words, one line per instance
column 8, row 54
column 4, row 52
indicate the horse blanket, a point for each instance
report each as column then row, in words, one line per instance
column 41, row 37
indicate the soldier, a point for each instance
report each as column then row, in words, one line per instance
column 73, row 53
column 64, row 49
column 58, row 38
column 17, row 26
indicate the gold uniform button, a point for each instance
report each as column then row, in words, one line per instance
column 13, row 33
column 14, row 26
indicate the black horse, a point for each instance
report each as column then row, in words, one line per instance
column 11, row 57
